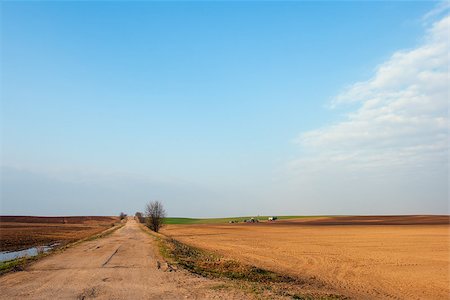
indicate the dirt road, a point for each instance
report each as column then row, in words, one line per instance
column 122, row 265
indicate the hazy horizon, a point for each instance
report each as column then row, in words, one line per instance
column 223, row 109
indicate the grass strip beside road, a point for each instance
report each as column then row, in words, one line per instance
column 260, row 281
column 19, row 264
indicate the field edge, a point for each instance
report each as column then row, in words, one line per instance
column 20, row 264
column 250, row 278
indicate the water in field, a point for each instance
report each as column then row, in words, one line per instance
column 30, row 252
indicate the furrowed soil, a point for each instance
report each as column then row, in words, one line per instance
column 377, row 257
column 20, row 232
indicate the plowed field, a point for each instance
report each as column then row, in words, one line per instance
column 19, row 232
column 364, row 257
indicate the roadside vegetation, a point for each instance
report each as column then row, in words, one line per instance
column 18, row 264
column 140, row 217
column 264, row 283
column 155, row 215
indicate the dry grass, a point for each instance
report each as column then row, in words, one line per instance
column 262, row 282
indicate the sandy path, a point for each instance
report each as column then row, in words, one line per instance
column 122, row 265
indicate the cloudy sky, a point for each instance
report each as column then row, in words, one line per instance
column 224, row 108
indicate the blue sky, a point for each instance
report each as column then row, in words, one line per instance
column 216, row 108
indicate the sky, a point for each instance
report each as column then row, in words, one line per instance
column 224, row 108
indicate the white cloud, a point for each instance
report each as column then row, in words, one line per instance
column 440, row 9
column 401, row 122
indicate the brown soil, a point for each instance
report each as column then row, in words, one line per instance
column 19, row 232
column 57, row 220
column 360, row 261
column 370, row 220
column 123, row 265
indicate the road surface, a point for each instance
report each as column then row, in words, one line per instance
column 123, row 265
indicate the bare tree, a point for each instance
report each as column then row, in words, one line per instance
column 155, row 214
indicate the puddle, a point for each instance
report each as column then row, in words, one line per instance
column 33, row 251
